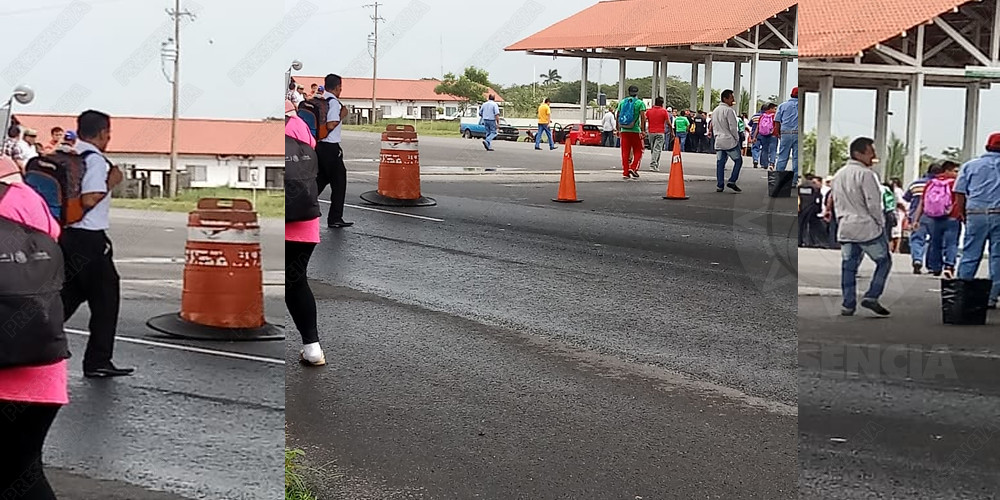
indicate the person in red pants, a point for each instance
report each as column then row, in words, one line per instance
column 632, row 127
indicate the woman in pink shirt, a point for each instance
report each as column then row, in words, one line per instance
column 30, row 396
column 301, row 231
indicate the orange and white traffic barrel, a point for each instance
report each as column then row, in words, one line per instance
column 399, row 170
column 223, row 292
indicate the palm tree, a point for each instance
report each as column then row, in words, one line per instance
column 551, row 77
column 895, row 157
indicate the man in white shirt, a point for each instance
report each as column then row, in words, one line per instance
column 332, row 170
column 490, row 112
column 608, row 129
column 91, row 276
column 858, row 203
column 27, row 144
column 725, row 128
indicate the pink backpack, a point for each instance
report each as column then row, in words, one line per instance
column 766, row 124
column 938, row 197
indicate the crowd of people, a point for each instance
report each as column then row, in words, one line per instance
column 951, row 207
column 51, row 266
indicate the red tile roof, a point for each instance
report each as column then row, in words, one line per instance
column 138, row 135
column 653, row 23
column 389, row 88
column 842, row 28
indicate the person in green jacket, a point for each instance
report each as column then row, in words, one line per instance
column 681, row 124
column 889, row 203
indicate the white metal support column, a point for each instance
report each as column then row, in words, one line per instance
column 995, row 42
column 707, row 100
column 663, row 77
column 824, row 122
column 783, row 81
column 694, row 86
column 621, row 79
column 881, row 121
column 754, row 60
column 655, row 82
column 583, row 90
column 969, row 145
column 737, row 84
column 912, row 167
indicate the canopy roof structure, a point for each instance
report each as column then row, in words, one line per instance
column 902, row 44
column 674, row 31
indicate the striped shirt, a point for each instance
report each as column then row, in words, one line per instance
column 914, row 193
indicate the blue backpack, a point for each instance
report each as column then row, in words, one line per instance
column 626, row 113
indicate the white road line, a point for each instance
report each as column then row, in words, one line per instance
column 211, row 352
column 401, row 214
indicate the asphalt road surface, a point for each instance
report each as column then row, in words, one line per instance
column 198, row 419
column 500, row 345
column 902, row 407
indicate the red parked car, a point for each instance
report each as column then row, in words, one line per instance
column 589, row 136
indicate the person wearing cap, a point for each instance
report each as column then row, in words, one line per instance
column 294, row 93
column 786, row 129
column 69, row 138
column 632, row 137
column 27, row 144
column 977, row 195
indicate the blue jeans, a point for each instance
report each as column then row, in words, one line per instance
column 683, row 136
column 918, row 243
column 755, row 151
column 768, row 149
column 942, row 249
column 491, row 132
column 978, row 229
column 720, row 165
column 548, row 135
column 789, row 145
column 851, row 255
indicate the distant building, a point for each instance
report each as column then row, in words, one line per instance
column 410, row 99
column 215, row 153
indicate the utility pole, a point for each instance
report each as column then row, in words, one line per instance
column 176, row 14
column 375, row 19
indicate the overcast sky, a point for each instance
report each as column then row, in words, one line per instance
column 105, row 54
column 425, row 38
column 942, row 121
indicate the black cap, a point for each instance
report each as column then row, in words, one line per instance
column 633, row 90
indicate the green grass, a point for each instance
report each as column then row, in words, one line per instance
column 269, row 204
column 295, row 488
column 423, row 127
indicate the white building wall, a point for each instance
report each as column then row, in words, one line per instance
column 399, row 109
column 220, row 172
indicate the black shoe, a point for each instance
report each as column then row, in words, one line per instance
column 108, row 371
column 539, row 149
column 339, row 224
column 875, row 307
column 719, row 190
column 846, row 312
column 734, row 187
column 485, row 146
column 633, row 173
column 936, row 273
column 755, row 164
column 917, row 267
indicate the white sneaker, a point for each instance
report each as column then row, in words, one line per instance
column 312, row 354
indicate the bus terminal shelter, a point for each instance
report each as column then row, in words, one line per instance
column 675, row 31
column 903, row 44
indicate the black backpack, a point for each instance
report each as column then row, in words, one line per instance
column 31, row 311
column 301, row 189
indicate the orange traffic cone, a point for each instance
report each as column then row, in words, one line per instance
column 567, row 181
column 675, row 186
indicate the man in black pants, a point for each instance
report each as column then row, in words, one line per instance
column 332, row 171
column 91, row 276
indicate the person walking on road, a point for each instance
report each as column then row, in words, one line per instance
column 681, row 125
column 860, row 210
column 608, row 129
column 938, row 216
column 302, row 216
column 764, row 136
column 786, row 130
column 544, row 125
column 490, row 112
column 632, row 126
column 33, row 375
column 918, row 233
column 977, row 191
column 726, row 130
column 332, row 170
column 88, row 251
column 658, row 123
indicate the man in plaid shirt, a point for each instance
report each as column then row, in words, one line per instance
column 12, row 149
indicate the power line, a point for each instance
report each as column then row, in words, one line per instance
column 375, row 19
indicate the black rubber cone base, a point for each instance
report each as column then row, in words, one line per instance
column 557, row 200
column 675, row 198
column 172, row 324
column 376, row 199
